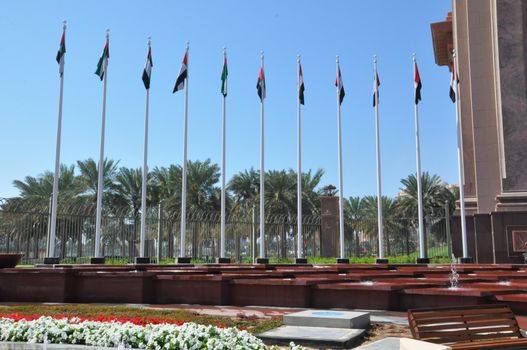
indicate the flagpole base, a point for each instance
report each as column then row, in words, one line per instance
column 51, row 261
column 423, row 260
column 300, row 260
column 262, row 260
column 381, row 261
column 97, row 260
column 224, row 260
column 343, row 261
column 142, row 260
column 183, row 260
column 466, row 260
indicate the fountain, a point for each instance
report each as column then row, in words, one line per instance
column 367, row 282
column 453, row 277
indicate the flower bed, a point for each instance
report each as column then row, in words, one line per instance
column 111, row 332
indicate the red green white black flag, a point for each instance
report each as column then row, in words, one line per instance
column 61, row 52
column 454, row 80
column 340, row 86
column 260, row 84
column 102, row 65
column 147, row 72
column 417, row 84
column 301, row 87
column 376, row 84
column 182, row 76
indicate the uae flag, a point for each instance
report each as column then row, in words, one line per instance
column 60, row 54
column 103, row 61
column 224, row 74
column 340, row 86
column 453, row 81
column 301, row 87
column 260, row 84
column 183, row 73
column 147, row 72
column 417, row 84
column 376, row 84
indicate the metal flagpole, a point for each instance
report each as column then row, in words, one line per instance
column 461, row 169
column 422, row 242
column 56, row 174
column 341, row 187
column 380, row 223
column 184, row 179
column 100, row 182
column 145, row 173
column 262, row 169
column 299, row 166
column 223, row 191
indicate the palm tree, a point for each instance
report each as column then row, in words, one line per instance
column 201, row 190
column 393, row 229
column 310, row 197
column 434, row 194
column 89, row 179
column 127, row 189
column 34, row 198
column 279, row 193
column 35, row 192
column 245, row 187
column 353, row 218
column 167, row 187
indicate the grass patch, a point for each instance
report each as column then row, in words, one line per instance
column 251, row 324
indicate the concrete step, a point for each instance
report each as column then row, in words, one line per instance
column 313, row 336
column 328, row 318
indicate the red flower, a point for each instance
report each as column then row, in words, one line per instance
column 140, row 321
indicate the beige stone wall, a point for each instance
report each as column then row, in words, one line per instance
column 473, row 32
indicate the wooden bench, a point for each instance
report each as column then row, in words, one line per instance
column 469, row 327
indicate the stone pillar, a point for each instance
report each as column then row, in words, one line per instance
column 329, row 232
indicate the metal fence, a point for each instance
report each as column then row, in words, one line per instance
column 27, row 233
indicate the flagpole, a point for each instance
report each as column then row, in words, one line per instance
column 461, row 168
column 300, row 242
column 223, row 190
column 422, row 243
column 184, row 175
column 262, row 169
column 56, row 174
column 101, row 160
column 380, row 223
column 145, row 173
column 341, row 187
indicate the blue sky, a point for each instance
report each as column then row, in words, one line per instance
column 317, row 30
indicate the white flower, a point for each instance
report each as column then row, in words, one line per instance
column 189, row 336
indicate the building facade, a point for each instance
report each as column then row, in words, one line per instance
column 490, row 41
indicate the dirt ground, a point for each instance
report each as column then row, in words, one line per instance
column 383, row 330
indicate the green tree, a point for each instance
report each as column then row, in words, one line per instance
column 310, row 195
column 201, row 190
column 36, row 192
column 434, row 193
column 280, row 193
column 89, row 180
column 245, row 186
